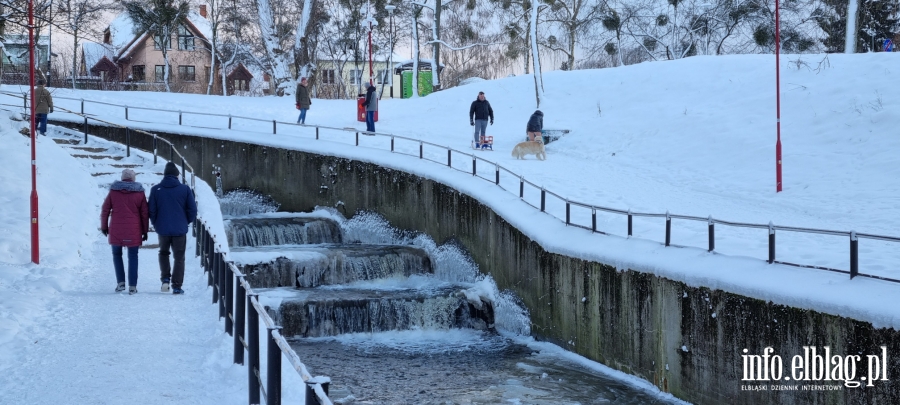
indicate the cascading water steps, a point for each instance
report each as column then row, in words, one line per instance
column 393, row 318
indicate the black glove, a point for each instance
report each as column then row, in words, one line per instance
column 472, row 123
column 492, row 121
column 105, row 232
column 144, row 237
column 51, row 109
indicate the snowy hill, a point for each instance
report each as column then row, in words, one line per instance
column 692, row 137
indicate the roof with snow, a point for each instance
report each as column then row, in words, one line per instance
column 93, row 52
column 20, row 39
column 123, row 37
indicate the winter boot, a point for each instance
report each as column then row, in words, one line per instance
column 165, row 285
column 120, row 287
column 177, row 291
column 132, row 290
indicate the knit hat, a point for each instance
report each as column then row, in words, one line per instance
column 128, row 174
column 171, row 170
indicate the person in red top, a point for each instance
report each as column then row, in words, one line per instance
column 125, row 220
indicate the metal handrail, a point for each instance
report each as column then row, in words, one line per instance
column 711, row 221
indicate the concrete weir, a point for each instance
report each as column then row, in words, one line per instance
column 312, row 266
column 321, row 312
column 658, row 329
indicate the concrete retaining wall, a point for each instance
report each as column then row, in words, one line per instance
column 685, row 340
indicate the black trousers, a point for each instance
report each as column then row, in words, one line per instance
column 177, row 244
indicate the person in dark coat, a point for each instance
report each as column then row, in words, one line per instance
column 303, row 100
column 172, row 208
column 535, row 125
column 124, row 221
column 371, row 104
column 43, row 107
column 479, row 113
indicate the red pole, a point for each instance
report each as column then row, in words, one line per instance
column 777, row 100
column 35, row 245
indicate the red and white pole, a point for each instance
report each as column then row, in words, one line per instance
column 777, row 101
column 371, row 72
column 35, row 245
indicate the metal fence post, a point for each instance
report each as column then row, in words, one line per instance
column 155, row 147
column 392, row 144
column 240, row 306
column 474, row 161
column 171, row 152
column 85, row 130
column 317, row 133
column 253, row 370
column 215, row 276
column 311, row 397
column 420, row 150
column 712, row 234
column 357, row 139
column 82, row 106
column 126, row 113
column 221, row 287
column 629, row 222
column 449, row 151
column 229, row 300
column 771, row 242
column 182, row 170
column 568, row 205
column 179, row 117
column 273, row 370
column 229, row 121
column 854, row 255
column 543, row 199
column 521, row 187
column 196, row 226
column 127, row 142
column 593, row 220
column 496, row 174
column 668, row 228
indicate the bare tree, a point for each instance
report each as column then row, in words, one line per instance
column 574, row 18
column 79, row 18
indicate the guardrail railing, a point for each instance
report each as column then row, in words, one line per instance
column 246, row 307
column 520, row 188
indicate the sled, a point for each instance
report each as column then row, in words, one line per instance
column 486, row 143
column 551, row 135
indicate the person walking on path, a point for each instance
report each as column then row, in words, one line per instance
column 124, row 221
column 172, row 208
column 535, row 125
column 43, row 106
column 303, row 100
column 479, row 113
column 371, row 104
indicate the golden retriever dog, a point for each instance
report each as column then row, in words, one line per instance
column 530, row 148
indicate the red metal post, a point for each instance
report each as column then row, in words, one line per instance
column 371, row 72
column 35, row 245
column 777, row 100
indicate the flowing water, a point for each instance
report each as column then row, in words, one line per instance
column 393, row 318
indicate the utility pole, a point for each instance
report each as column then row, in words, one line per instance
column 35, row 245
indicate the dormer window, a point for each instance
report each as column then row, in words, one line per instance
column 158, row 40
column 106, row 37
column 185, row 39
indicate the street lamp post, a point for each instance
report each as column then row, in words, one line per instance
column 390, row 68
column 370, row 17
column 35, row 249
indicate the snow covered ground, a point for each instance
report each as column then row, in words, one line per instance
column 692, row 137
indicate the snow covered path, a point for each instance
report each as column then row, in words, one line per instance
column 84, row 343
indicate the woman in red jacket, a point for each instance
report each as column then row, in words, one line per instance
column 125, row 218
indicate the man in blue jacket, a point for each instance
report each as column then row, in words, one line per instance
column 172, row 208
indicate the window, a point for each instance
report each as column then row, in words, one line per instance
column 186, row 74
column 241, row 85
column 160, row 73
column 185, row 39
column 157, row 42
column 382, row 76
column 137, row 73
column 327, row 76
column 356, row 76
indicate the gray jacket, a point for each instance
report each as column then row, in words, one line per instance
column 371, row 99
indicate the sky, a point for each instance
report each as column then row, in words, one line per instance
column 692, row 137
